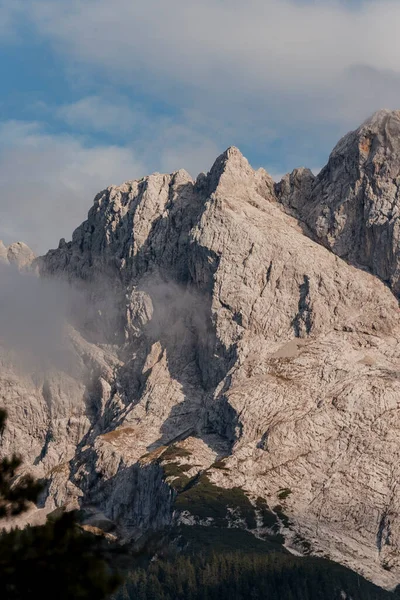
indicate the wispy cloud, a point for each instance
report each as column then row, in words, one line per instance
column 10, row 13
column 47, row 181
column 94, row 113
column 165, row 143
column 297, row 49
column 281, row 79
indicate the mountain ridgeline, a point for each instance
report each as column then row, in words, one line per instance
column 230, row 363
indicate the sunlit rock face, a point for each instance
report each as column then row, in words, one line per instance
column 17, row 254
column 216, row 338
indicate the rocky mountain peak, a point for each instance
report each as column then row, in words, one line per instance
column 353, row 205
column 232, row 159
column 230, row 166
column 380, row 119
column 18, row 254
column 227, row 345
column 232, row 175
column 375, row 143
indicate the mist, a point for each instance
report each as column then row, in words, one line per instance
column 33, row 317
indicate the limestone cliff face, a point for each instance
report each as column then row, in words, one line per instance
column 215, row 331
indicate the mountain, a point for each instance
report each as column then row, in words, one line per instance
column 231, row 358
column 352, row 206
column 17, row 254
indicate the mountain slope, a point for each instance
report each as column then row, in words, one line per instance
column 223, row 369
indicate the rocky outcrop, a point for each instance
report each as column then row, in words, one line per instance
column 353, row 205
column 18, row 254
column 213, row 344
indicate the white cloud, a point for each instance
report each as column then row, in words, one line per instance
column 195, row 154
column 234, row 49
column 94, row 113
column 47, row 182
column 242, row 73
column 169, row 145
column 10, row 12
column 166, row 144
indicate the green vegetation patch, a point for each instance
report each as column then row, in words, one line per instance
column 281, row 515
column 174, row 471
column 205, row 499
column 220, row 464
column 305, row 545
column 240, row 574
column 60, row 468
column 269, row 519
column 176, row 475
column 117, row 434
column 284, row 493
column 175, row 451
column 193, row 539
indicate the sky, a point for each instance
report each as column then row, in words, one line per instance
column 97, row 92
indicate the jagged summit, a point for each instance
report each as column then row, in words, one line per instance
column 378, row 139
column 233, row 158
column 380, row 118
column 231, row 174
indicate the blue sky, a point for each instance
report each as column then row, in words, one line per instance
column 96, row 92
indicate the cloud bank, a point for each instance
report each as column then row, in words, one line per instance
column 33, row 314
column 215, row 48
column 48, row 181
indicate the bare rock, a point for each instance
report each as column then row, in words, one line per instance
column 20, row 255
column 353, row 205
column 3, row 252
column 17, row 254
column 213, row 327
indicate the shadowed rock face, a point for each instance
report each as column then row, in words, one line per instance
column 213, row 326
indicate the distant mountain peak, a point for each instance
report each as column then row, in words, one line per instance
column 17, row 253
column 380, row 117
